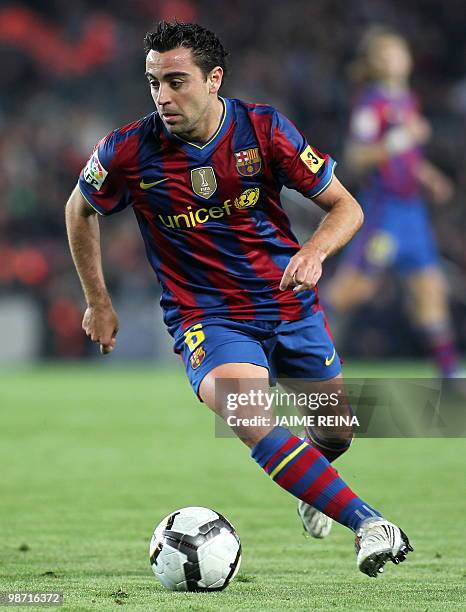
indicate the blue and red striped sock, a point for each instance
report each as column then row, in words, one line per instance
column 303, row 471
column 440, row 344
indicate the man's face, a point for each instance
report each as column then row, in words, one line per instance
column 179, row 89
column 390, row 58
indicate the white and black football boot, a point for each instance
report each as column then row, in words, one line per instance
column 315, row 523
column 378, row 541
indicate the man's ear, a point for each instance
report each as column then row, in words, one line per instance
column 215, row 78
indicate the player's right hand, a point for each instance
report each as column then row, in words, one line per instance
column 303, row 270
column 101, row 325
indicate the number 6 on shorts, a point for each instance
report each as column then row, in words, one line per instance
column 194, row 336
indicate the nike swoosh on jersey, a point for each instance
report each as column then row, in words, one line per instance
column 330, row 361
column 144, row 185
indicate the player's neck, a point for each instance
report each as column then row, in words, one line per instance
column 393, row 86
column 208, row 125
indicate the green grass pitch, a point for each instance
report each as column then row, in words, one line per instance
column 91, row 458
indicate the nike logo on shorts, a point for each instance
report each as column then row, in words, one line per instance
column 330, row 361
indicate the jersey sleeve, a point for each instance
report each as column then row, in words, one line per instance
column 298, row 165
column 101, row 181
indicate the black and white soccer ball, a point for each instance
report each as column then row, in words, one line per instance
column 195, row 549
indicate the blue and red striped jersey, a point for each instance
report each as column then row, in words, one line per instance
column 375, row 112
column 210, row 215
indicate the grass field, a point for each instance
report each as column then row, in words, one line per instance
column 91, row 458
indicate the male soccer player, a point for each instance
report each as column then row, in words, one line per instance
column 386, row 148
column 203, row 175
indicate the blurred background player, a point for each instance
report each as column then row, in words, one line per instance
column 385, row 147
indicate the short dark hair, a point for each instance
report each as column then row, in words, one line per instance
column 206, row 48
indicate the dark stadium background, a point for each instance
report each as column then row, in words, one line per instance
column 71, row 71
column 95, row 451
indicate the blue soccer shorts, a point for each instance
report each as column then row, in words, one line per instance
column 288, row 349
column 396, row 234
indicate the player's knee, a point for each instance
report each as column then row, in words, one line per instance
column 252, row 435
column 229, row 390
column 231, row 380
column 429, row 297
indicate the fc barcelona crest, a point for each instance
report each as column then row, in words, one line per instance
column 197, row 357
column 248, row 162
column 204, row 182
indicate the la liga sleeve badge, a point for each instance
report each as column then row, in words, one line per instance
column 94, row 173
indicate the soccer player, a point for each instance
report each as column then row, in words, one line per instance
column 387, row 134
column 203, row 175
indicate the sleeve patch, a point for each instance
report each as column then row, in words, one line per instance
column 94, row 173
column 311, row 160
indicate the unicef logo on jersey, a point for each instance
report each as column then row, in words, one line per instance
column 196, row 217
column 247, row 198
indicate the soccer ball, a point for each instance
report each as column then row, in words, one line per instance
column 195, row 549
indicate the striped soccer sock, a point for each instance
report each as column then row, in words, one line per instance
column 304, row 472
column 440, row 344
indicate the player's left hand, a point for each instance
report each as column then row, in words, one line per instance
column 303, row 270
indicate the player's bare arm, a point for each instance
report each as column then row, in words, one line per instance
column 438, row 185
column 100, row 321
column 343, row 219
